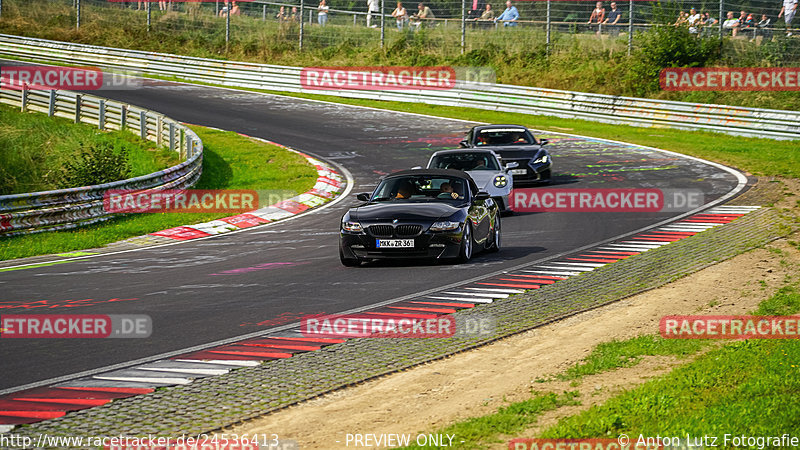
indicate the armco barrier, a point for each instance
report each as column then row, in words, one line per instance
column 69, row 208
column 741, row 121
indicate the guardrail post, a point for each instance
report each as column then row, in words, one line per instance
column 172, row 136
column 159, row 131
column 189, row 148
column 78, row 104
column 24, row 105
column 143, row 125
column 547, row 30
column 123, row 117
column 302, row 10
column 463, row 26
column 181, row 146
column 51, row 104
column 101, row 119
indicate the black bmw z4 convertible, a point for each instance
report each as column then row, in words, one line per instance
column 420, row 213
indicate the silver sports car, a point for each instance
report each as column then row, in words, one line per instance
column 484, row 167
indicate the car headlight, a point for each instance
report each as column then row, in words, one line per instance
column 444, row 225
column 353, row 227
column 541, row 160
column 500, row 181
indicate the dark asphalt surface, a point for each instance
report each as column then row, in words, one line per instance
column 183, row 288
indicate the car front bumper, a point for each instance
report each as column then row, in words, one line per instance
column 435, row 245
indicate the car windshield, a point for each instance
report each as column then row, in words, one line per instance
column 465, row 161
column 421, row 188
column 504, row 136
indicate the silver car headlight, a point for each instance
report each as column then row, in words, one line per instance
column 353, row 227
column 500, row 181
column 444, row 225
column 541, row 160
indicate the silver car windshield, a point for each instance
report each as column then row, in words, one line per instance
column 465, row 161
column 422, row 188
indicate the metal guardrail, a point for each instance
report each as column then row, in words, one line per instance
column 776, row 124
column 69, row 208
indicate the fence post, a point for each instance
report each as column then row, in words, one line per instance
column 148, row 15
column 189, row 148
column 463, row 26
column 143, row 125
column 721, row 12
column 630, row 27
column 302, row 11
column 264, row 13
column 51, row 105
column 227, row 28
column 78, row 14
column 354, row 20
column 383, row 28
column 172, row 136
column 547, row 30
column 101, row 116
column 123, row 117
column 216, row 8
column 24, row 105
column 1, row 8
column 78, row 104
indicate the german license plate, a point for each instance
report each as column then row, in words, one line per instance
column 394, row 243
column 519, row 171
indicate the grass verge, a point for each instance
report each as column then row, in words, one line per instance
column 230, row 161
column 36, row 149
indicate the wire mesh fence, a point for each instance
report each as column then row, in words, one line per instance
column 755, row 30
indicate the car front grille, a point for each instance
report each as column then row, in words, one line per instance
column 407, row 230
column 387, row 231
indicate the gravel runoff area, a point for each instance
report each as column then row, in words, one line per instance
column 216, row 402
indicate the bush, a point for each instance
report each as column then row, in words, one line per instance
column 668, row 46
column 99, row 163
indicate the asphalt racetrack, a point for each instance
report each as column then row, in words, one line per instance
column 193, row 291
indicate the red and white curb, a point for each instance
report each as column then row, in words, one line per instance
column 330, row 184
column 44, row 403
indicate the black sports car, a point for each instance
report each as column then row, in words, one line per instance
column 514, row 143
column 420, row 213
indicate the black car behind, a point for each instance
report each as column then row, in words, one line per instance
column 514, row 143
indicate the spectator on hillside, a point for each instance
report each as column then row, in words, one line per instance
column 683, row 17
column 162, row 5
column 598, row 15
column 762, row 27
column 486, row 17
column 235, row 11
column 372, row 9
column 477, row 7
column 424, row 13
column 612, row 20
column 509, row 16
column 731, row 23
column 282, row 16
column 707, row 23
column 788, row 11
column 322, row 13
column 401, row 16
column 694, row 20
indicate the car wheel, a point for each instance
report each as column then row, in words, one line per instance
column 497, row 237
column 349, row 262
column 467, row 245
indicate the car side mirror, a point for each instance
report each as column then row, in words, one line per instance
column 364, row 196
column 512, row 165
column 463, row 144
column 543, row 141
column 482, row 196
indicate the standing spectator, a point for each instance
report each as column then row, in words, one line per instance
column 788, row 11
column 322, row 13
column 731, row 23
column 372, row 8
column 762, row 27
column 613, row 19
column 598, row 15
column 477, row 8
column 401, row 16
column 281, row 16
column 682, row 18
column 295, row 16
column 423, row 13
column 162, row 5
column 509, row 16
column 707, row 23
column 694, row 20
column 235, row 11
